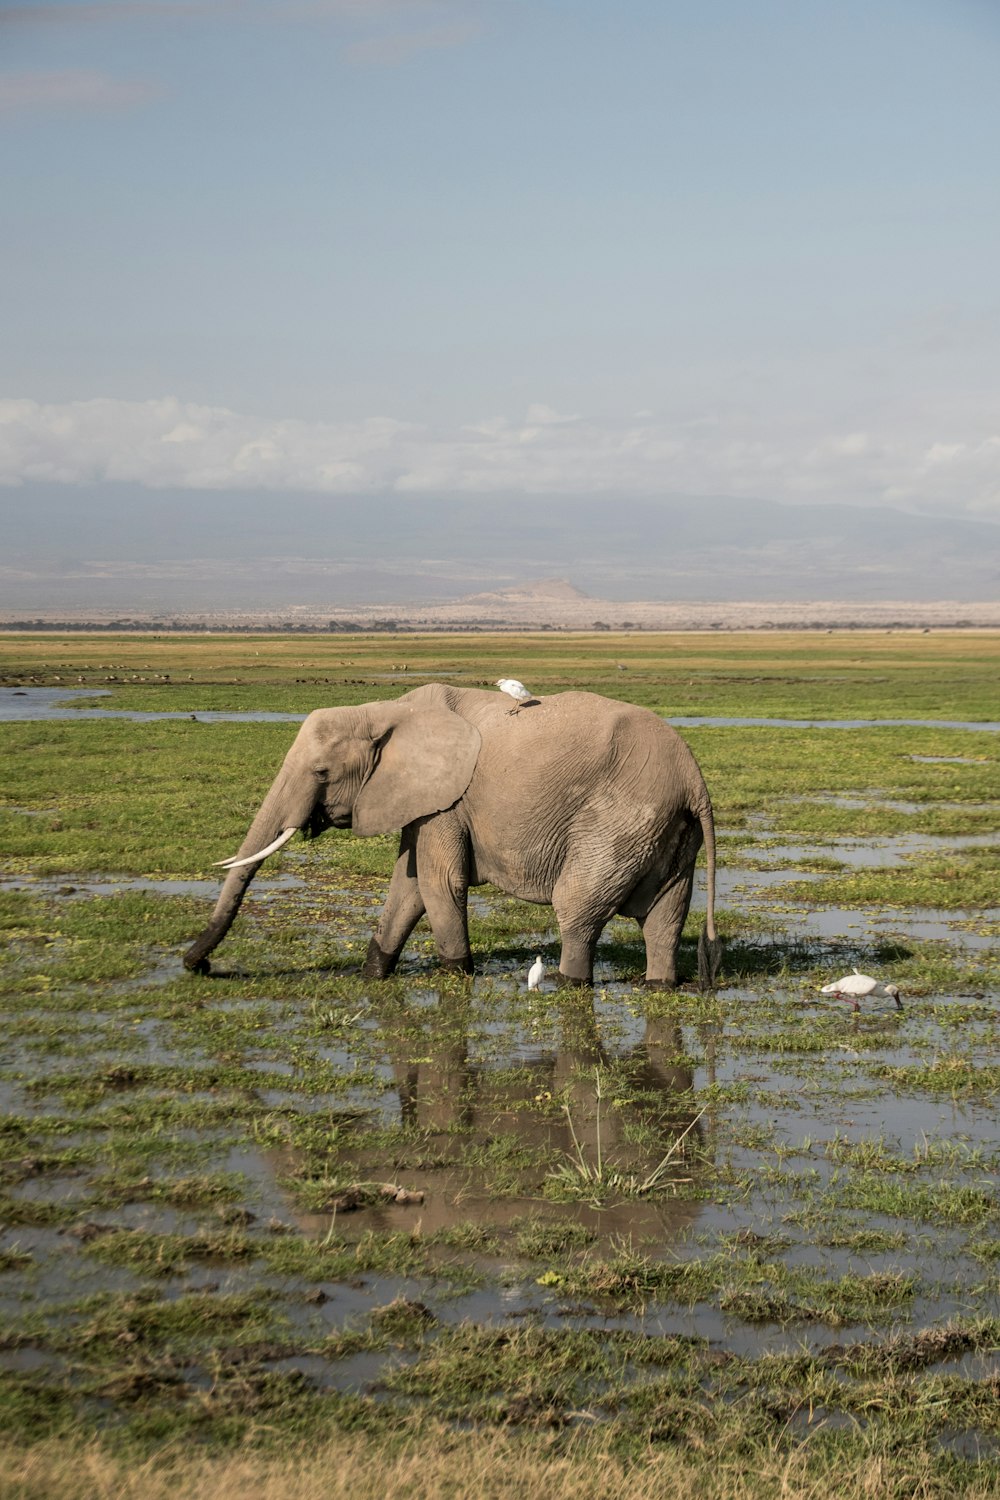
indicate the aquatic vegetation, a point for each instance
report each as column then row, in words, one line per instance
column 744, row 1222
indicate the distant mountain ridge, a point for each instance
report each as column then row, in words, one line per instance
column 122, row 546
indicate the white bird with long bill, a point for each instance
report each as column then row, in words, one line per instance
column 515, row 690
column 536, row 972
column 858, row 986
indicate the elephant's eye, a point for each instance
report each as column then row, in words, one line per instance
column 321, row 772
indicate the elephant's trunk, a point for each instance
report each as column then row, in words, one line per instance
column 277, row 815
column 228, row 904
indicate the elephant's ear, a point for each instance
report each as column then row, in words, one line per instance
column 425, row 761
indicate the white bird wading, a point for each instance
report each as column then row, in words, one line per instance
column 536, row 972
column 857, row 986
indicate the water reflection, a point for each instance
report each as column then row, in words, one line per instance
column 619, row 1115
column 441, row 1089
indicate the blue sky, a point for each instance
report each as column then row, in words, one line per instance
column 485, row 245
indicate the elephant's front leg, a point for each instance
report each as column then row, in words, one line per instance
column 443, row 874
column 402, row 911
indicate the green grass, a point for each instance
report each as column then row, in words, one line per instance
column 948, row 674
column 196, row 1252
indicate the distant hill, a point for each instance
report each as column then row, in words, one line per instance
column 545, row 591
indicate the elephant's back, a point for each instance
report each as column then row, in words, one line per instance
column 575, row 777
column 553, row 756
column 568, row 736
column 591, row 719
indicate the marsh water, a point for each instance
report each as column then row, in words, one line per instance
column 493, row 1079
column 760, row 1171
column 35, row 704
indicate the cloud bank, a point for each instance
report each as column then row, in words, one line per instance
column 73, row 88
column 169, row 443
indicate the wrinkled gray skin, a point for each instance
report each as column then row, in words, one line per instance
column 595, row 806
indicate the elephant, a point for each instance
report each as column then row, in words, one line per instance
column 593, row 806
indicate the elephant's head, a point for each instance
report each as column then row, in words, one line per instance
column 373, row 769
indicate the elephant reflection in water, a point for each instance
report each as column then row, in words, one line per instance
column 440, row 1090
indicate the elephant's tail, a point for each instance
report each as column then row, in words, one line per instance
column 709, row 944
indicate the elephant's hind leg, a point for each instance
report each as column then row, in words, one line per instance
column 663, row 921
column 661, row 930
column 579, row 946
column 402, row 911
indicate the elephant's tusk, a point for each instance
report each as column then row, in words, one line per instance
column 252, row 859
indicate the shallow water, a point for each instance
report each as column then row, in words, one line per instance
column 442, row 1075
column 879, row 800
column 30, row 705
column 888, row 851
column 949, row 760
column 464, row 1078
column 915, row 924
column 37, row 704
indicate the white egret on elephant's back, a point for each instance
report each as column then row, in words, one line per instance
column 516, row 690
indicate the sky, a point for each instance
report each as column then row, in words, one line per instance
column 742, row 248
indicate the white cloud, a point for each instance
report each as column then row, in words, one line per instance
column 73, row 88
column 169, row 443
column 541, row 415
column 943, row 453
